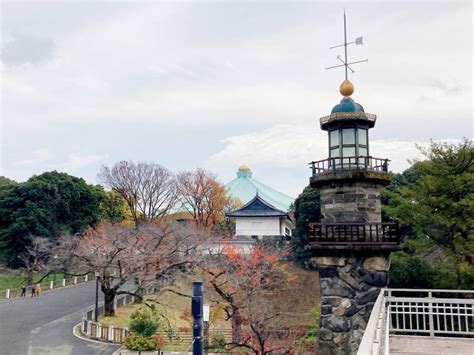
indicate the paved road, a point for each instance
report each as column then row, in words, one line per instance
column 43, row 326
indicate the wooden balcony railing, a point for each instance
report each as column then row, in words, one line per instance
column 349, row 164
column 354, row 233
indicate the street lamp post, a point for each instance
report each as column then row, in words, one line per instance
column 97, row 274
column 205, row 318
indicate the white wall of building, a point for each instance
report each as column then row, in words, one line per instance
column 248, row 226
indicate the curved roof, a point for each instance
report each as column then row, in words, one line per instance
column 257, row 207
column 347, row 105
column 245, row 187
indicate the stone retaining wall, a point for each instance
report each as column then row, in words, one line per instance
column 349, row 287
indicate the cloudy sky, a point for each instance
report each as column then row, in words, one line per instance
column 219, row 84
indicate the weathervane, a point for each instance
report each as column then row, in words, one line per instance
column 345, row 64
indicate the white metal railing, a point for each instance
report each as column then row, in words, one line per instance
column 417, row 312
column 375, row 339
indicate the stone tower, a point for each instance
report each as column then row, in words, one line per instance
column 351, row 245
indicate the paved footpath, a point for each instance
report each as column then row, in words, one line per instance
column 43, row 326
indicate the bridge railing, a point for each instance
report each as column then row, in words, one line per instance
column 448, row 313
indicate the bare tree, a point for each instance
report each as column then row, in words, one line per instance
column 203, row 197
column 35, row 257
column 148, row 254
column 149, row 189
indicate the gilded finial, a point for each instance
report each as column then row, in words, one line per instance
column 346, row 88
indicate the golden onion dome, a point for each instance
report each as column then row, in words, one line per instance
column 346, row 88
column 244, row 168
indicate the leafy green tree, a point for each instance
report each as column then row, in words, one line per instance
column 306, row 209
column 114, row 208
column 45, row 206
column 6, row 184
column 411, row 271
column 436, row 200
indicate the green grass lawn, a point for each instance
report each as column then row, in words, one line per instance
column 15, row 278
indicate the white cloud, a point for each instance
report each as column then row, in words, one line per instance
column 121, row 76
column 38, row 158
column 276, row 153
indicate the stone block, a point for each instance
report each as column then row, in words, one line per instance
column 335, row 287
column 329, row 261
column 349, row 280
column 336, row 324
column 325, row 309
column 340, row 338
column 339, row 311
column 325, row 334
column 367, row 297
column 376, row 263
column 352, row 310
column 346, row 303
column 376, row 278
column 332, row 301
column 327, row 271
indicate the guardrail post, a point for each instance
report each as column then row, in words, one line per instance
column 7, row 293
column 86, row 278
column 110, row 334
column 75, row 280
column 430, row 315
column 51, row 285
column 63, row 282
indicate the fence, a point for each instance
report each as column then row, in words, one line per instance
column 385, row 233
column 432, row 315
column 448, row 313
column 105, row 332
column 45, row 286
column 341, row 164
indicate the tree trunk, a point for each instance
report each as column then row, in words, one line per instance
column 109, row 297
column 236, row 326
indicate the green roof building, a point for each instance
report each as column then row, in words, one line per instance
column 244, row 188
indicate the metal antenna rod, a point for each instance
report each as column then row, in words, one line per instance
column 345, row 62
column 345, row 41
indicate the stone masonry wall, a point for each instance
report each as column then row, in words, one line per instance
column 351, row 202
column 349, row 287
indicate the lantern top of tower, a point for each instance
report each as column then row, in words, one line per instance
column 347, row 110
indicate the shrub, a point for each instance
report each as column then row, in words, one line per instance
column 139, row 342
column 143, row 322
column 218, row 343
column 310, row 337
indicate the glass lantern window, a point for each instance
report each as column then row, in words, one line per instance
column 348, row 136
column 362, row 152
column 362, row 136
column 348, row 152
column 334, row 138
column 335, row 153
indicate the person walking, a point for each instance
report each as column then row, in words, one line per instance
column 33, row 291
column 38, row 290
column 23, row 291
